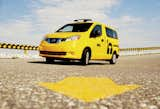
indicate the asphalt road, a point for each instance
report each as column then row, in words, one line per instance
column 19, row 80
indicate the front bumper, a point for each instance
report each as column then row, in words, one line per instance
column 60, row 51
column 59, row 55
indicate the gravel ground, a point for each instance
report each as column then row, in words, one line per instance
column 19, row 80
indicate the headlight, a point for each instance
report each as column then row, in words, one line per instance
column 72, row 38
column 59, row 40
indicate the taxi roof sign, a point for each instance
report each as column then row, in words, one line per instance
column 82, row 20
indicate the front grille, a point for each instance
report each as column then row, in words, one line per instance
column 55, row 40
column 52, row 53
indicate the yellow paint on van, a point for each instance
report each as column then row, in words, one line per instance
column 74, row 49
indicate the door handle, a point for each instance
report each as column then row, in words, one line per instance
column 102, row 40
column 98, row 45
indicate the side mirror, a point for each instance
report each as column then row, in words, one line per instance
column 97, row 33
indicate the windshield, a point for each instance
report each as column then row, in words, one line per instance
column 81, row 27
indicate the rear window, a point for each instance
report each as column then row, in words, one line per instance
column 79, row 27
column 111, row 33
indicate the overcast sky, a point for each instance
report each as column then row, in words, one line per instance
column 27, row 21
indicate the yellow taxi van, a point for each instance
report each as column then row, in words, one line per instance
column 82, row 40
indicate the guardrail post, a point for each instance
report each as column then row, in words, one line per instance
column 25, row 52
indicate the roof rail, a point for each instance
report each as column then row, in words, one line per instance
column 83, row 20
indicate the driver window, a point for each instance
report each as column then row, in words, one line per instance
column 97, row 29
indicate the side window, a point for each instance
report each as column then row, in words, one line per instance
column 115, row 35
column 97, row 31
column 111, row 33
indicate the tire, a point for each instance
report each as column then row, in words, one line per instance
column 85, row 57
column 114, row 59
column 49, row 60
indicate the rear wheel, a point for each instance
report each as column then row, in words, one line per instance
column 85, row 57
column 114, row 59
column 49, row 60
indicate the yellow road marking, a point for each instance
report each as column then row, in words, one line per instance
column 88, row 89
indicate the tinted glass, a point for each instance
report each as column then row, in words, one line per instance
column 82, row 27
column 97, row 28
column 115, row 35
column 111, row 33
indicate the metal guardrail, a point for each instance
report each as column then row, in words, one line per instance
column 123, row 51
column 140, row 49
column 18, row 46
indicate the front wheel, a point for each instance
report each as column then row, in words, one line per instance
column 85, row 57
column 114, row 59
